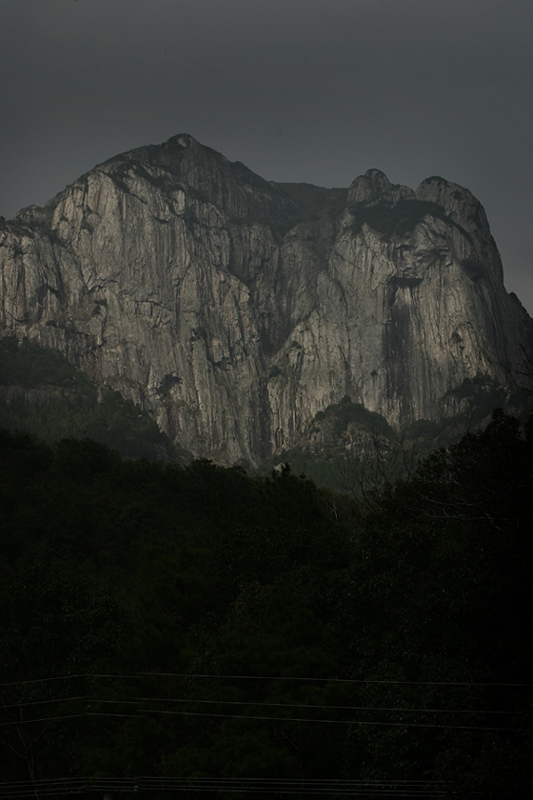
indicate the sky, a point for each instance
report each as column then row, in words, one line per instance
column 314, row 91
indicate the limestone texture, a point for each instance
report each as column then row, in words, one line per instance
column 232, row 309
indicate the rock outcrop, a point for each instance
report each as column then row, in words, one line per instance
column 233, row 309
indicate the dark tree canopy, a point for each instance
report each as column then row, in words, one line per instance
column 197, row 623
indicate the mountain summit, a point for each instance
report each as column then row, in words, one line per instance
column 233, row 309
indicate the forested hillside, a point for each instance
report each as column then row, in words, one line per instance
column 192, row 628
column 42, row 393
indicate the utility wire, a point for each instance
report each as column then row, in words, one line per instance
column 354, row 792
column 145, row 711
column 322, row 707
column 388, row 788
column 137, row 700
column 214, row 676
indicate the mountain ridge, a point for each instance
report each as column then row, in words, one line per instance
column 233, row 309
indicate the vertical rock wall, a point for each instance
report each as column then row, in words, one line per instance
column 233, row 313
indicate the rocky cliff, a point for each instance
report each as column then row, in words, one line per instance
column 233, row 309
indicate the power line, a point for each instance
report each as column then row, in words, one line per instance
column 322, row 707
column 188, row 675
column 192, row 701
column 329, row 680
column 384, row 788
column 145, row 711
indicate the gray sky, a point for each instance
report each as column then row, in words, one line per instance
column 299, row 90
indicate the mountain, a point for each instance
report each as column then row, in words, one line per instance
column 233, row 310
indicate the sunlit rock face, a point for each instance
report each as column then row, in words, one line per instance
column 233, row 309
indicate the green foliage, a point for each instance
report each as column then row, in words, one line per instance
column 221, row 625
column 483, row 395
column 356, row 414
column 395, row 220
column 312, row 200
column 450, row 536
column 326, row 471
column 424, row 429
column 347, row 413
column 65, row 404
column 30, row 365
column 428, row 431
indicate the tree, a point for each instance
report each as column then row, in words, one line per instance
column 52, row 627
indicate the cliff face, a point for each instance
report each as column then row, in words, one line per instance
column 233, row 309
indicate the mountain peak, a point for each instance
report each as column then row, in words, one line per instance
column 374, row 187
column 458, row 203
column 181, row 140
column 233, row 310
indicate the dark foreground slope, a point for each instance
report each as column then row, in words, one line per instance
column 165, row 624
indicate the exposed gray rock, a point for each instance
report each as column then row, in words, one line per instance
column 233, row 311
column 374, row 187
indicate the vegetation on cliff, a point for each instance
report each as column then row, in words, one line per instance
column 42, row 393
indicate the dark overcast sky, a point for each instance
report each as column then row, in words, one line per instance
column 299, row 90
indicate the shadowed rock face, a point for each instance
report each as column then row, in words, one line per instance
column 233, row 309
